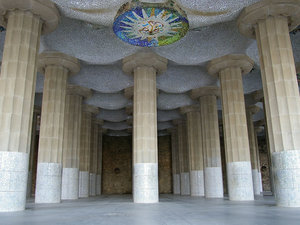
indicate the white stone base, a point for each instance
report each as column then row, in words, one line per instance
column 197, row 182
column 98, row 184
column 286, row 169
column 13, row 181
column 185, row 184
column 48, row 183
column 255, row 179
column 69, row 185
column 176, row 184
column 145, row 183
column 213, row 181
column 240, row 185
column 84, row 183
column 260, row 183
column 29, row 184
column 92, row 188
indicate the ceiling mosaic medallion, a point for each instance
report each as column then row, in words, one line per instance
column 150, row 24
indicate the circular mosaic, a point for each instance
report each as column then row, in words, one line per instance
column 150, row 25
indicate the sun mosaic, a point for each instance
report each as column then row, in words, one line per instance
column 150, row 25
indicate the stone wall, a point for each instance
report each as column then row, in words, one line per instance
column 117, row 165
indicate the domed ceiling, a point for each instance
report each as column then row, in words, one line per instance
column 86, row 32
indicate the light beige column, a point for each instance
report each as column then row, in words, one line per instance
column 175, row 161
column 85, row 149
column 269, row 22
column 99, row 162
column 230, row 68
column 256, row 131
column 71, row 140
column 250, row 111
column 56, row 66
column 25, row 21
column 144, row 66
column 183, row 155
column 33, row 148
column 94, row 155
column 195, row 149
column 213, row 180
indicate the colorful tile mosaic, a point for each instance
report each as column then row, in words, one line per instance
column 150, row 25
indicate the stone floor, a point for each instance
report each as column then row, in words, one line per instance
column 172, row 210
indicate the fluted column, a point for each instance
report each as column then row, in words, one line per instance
column 144, row 66
column 256, row 131
column 56, row 66
column 85, row 149
column 213, row 180
column 183, row 154
column 25, row 21
column 230, row 68
column 269, row 22
column 71, row 140
column 33, row 148
column 175, row 162
column 251, row 110
column 99, row 163
column 195, row 149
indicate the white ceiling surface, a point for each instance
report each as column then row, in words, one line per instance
column 101, row 52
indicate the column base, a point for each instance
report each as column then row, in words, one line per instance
column 84, row 179
column 185, row 184
column 92, row 189
column 69, row 186
column 29, row 185
column 48, row 183
column 213, row 181
column 260, row 182
column 13, row 181
column 98, row 184
column 286, row 169
column 145, row 183
column 197, row 182
column 176, row 184
column 240, row 185
column 255, row 179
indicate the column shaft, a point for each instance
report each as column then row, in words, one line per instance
column 94, row 158
column 145, row 155
column 236, row 136
column 17, row 87
column 99, row 164
column 48, row 183
column 71, row 147
column 211, row 147
column 175, row 162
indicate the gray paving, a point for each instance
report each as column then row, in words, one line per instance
column 172, row 210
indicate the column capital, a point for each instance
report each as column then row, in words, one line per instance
column 259, row 123
column 128, row 92
column 263, row 9
column 178, row 121
column 129, row 110
column 91, row 109
column 252, row 109
column 205, row 91
column 190, row 108
column 78, row 90
column 45, row 9
column 144, row 59
column 258, row 129
column 98, row 122
column 53, row 58
column 258, row 95
column 228, row 61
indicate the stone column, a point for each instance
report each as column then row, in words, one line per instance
column 56, row 66
column 269, row 22
column 230, row 69
column 195, row 149
column 71, row 141
column 183, row 155
column 256, row 131
column 144, row 66
column 251, row 110
column 25, row 21
column 211, row 140
column 33, row 148
column 175, row 162
column 99, row 163
column 85, row 149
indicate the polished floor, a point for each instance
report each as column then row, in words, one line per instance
column 172, row 210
